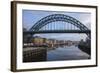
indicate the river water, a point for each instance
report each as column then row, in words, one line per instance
column 66, row 53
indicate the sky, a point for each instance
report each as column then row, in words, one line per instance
column 30, row 17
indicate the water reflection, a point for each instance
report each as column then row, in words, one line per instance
column 66, row 53
column 37, row 54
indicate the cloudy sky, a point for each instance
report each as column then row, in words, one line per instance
column 30, row 17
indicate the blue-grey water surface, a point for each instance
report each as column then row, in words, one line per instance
column 66, row 53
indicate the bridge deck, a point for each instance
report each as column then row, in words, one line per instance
column 57, row 31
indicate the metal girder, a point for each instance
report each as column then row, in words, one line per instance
column 57, row 31
column 58, row 17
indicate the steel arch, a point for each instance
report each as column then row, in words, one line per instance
column 57, row 17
